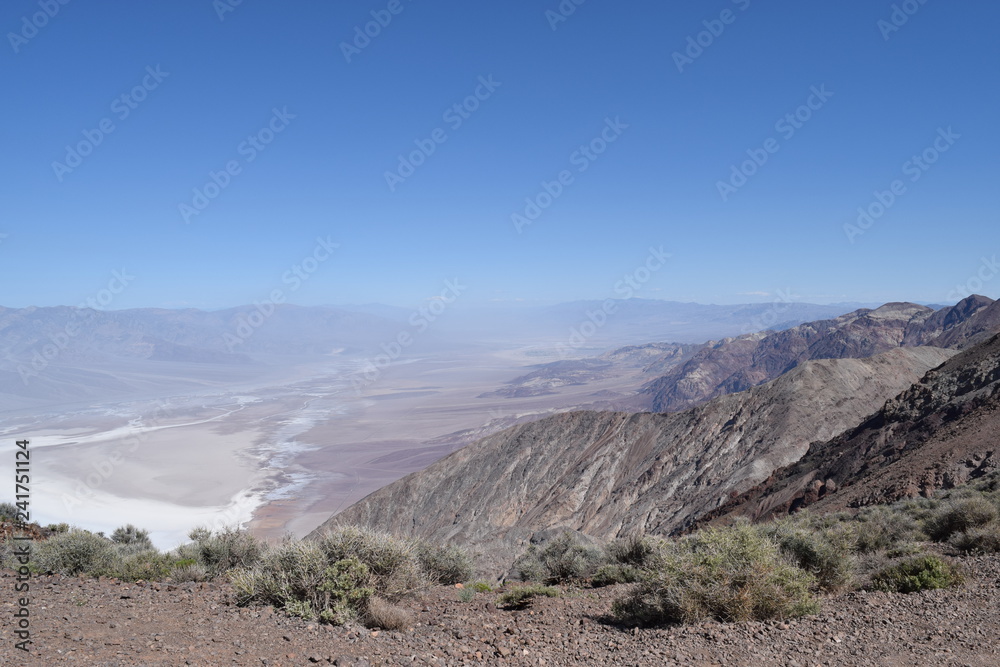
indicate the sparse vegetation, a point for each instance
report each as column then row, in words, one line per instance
column 444, row 564
column 75, row 552
column 226, row 549
column 8, row 511
column 917, row 574
column 393, row 564
column 129, row 534
column 726, row 574
column 610, row 574
column 825, row 551
column 737, row 573
column 560, row 560
column 981, row 540
column 519, row 597
column 960, row 515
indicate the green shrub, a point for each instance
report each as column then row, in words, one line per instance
column 443, row 564
column 482, row 587
column 147, row 565
column 559, row 560
column 726, row 574
column 615, row 573
column 917, row 574
column 393, row 563
column 466, row 594
column 8, row 511
column 297, row 577
column 636, row 550
column 227, row 549
column 129, row 534
column 188, row 569
column 521, row 596
column 981, row 540
column 58, row 527
column 956, row 516
column 75, row 552
column 825, row 552
column 883, row 528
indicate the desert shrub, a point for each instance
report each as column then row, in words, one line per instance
column 466, row 594
column 199, row 534
column 521, row 596
column 393, row 563
column 981, row 540
column 382, row 614
column 882, row 528
column 481, row 587
column 726, row 574
column 443, row 564
column 960, row 515
column 636, row 550
column 610, row 574
column 129, row 534
column 562, row 559
column 824, row 552
column 58, row 527
column 188, row 569
column 75, row 552
column 147, row 565
column 227, row 549
column 8, row 511
column 917, row 574
column 297, row 576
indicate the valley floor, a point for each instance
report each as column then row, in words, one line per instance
column 90, row 622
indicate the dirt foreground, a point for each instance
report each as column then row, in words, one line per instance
column 90, row 622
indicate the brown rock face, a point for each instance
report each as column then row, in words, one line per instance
column 736, row 364
column 607, row 474
column 940, row 432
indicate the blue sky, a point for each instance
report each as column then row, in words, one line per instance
column 208, row 80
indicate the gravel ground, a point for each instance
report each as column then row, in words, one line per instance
column 91, row 622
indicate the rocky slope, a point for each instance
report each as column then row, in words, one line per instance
column 735, row 364
column 609, row 473
column 90, row 622
column 939, row 433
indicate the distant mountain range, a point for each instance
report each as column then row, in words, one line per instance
column 65, row 354
column 733, row 365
